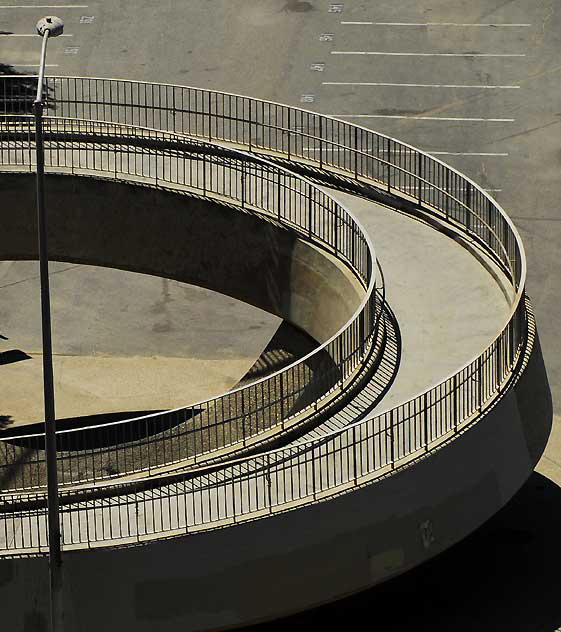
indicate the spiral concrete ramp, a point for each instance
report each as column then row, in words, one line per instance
column 421, row 411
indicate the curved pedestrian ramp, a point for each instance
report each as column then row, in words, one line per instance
column 420, row 411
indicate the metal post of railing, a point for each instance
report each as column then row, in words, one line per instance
column 311, row 192
column 392, row 440
column 420, row 176
column 250, row 142
column 468, row 205
column 289, row 134
column 243, row 415
column 455, row 401
column 243, row 183
column 447, row 189
column 268, row 482
column 341, row 362
column 480, row 381
column 354, row 455
column 336, row 231
column 426, row 421
column 209, row 117
column 321, row 143
column 281, row 396
column 204, row 174
column 361, row 328
column 499, row 363
column 173, row 110
column 313, row 459
column 279, row 195
column 356, row 153
column 46, row 27
column 386, row 153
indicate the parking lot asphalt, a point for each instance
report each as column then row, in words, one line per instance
column 477, row 84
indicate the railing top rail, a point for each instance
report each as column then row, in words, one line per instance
column 512, row 332
column 304, row 445
column 518, row 283
column 174, row 477
column 243, row 156
column 311, row 112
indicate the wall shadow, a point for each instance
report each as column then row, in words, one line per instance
column 21, row 94
column 97, row 431
column 504, row 576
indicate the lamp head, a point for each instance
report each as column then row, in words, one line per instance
column 51, row 23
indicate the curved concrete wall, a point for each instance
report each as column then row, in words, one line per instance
column 275, row 566
column 115, row 224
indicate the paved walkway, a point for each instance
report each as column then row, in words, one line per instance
column 449, row 308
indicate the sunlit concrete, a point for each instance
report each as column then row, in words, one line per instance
column 123, row 341
column 448, row 305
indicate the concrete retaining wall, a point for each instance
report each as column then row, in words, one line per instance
column 114, row 224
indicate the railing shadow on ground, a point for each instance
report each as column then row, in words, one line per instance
column 506, row 577
column 23, row 91
column 308, row 380
column 383, row 163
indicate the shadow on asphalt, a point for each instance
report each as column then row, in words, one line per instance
column 505, row 576
column 13, row 355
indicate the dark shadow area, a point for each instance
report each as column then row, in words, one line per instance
column 100, row 435
column 297, row 6
column 18, row 93
column 14, row 355
column 5, row 421
column 504, row 576
column 289, row 344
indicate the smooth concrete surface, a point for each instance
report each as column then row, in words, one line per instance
column 196, row 241
column 123, row 341
column 448, row 306
column 505, row 139
column 277, row 565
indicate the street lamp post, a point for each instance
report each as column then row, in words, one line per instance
column 48, row 27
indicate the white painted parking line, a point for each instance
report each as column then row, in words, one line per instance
column 43, row 6
column 415, row 85
column 397, row 151
column 385, row 53
column 331, row 149
column 464, row 153
column 493, row 25
column 425, row 118
column 30, row 35
column 424, row 186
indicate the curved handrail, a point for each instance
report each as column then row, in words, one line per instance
column 368, row 448
column 348, row 347
column 174, row 106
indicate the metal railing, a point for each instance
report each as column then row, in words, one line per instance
column 241, row 417
column 282, row 131
column 284, row 478
column 251, row 488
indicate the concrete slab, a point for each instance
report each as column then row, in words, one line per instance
column 122, row 341
column 449, row 308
